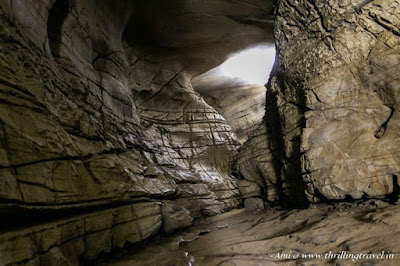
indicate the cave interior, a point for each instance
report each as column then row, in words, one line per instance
column 199, row 132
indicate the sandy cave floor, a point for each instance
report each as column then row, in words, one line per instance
column 278, row 237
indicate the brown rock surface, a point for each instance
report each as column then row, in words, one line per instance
column 339, row 111
column 277, row 237
column 104, row 140
column 97, row 113
column 257, row 165
column 63, row 241
column 175, row 216
column 331, row 112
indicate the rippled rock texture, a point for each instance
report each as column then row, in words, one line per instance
column 241, row 105
column 332, row 104
column 103, row 140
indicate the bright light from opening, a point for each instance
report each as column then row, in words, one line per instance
column 252, row 66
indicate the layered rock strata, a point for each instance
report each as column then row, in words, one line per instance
column 241, row 104
column 242, row 107
column 103, row 142
column 63, row 241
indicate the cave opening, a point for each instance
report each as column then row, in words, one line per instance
column 250, row 66
column 236, row 87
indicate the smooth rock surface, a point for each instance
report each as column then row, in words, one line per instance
column 278, row 237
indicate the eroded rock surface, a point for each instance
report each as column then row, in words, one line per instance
column 257, row 168
column 103, row 139
column 64, row 241
column 98, row 118
column 332, row 111
column 241, row 105
column 343, row 118
column 277, row 237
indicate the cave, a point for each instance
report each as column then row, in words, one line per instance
column 199, row 132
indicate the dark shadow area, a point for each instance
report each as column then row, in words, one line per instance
column 57, row 15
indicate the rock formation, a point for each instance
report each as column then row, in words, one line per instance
column 109, row 133
column 331, row 112
column 241, row 104
column 330, row 235
column 103, row 139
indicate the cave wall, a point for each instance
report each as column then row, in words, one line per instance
column 242, row 105
column 332, row 103
column 103, row 139
column 105, row 142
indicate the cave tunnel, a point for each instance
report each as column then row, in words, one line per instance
column 199, row 132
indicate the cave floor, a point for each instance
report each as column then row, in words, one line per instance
column 279, row 237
